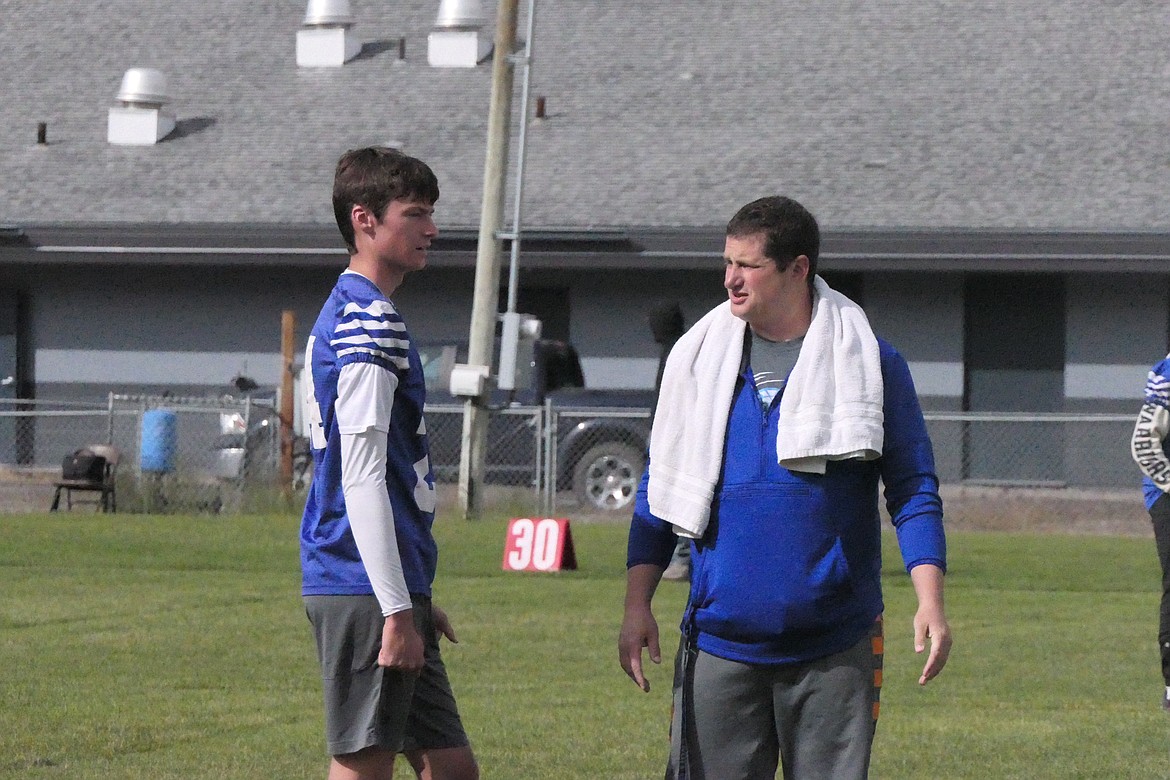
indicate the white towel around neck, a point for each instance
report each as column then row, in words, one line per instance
column 831, row 408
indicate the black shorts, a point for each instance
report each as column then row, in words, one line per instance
column 367, row 705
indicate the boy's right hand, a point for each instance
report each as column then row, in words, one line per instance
column 402, row 647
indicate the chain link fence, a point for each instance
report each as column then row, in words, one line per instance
column 217, row 455
column 513, row 458
column 997, row 471
column 35, row 436
column 197, row 454
column 597, row 461
column 1039, row 472
column 544, row 460
column 176, row 454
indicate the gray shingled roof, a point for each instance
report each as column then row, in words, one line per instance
column 932, row 113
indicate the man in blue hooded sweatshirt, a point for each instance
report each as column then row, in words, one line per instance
column 780, row 658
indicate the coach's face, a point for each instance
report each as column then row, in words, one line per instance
column 761, row 293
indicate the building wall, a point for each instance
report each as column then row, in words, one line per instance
column 922, row 316
column 185, row 329
column 611, row 326
column 1117, row 328
column 93, row 330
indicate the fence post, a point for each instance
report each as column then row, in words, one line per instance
column 288, row 320
column 538, row 463
column 550, row 458
column 245, row 471
column 143, row 490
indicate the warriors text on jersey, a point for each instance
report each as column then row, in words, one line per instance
column 1151, row 436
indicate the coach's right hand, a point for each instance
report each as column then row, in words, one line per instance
column 639, row 628
column 402, row 647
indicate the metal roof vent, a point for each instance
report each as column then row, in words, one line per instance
column 139, row 118
column 325, row 39
column 460, row 15
column 458, row 40
column 328, row 13
column 144, row 86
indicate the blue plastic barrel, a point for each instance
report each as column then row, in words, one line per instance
column 160, row 434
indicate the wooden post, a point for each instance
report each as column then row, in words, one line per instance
column 288, row 322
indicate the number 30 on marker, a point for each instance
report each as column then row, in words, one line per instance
column 545, row 544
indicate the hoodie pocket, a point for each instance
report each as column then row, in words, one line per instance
column 776, row 565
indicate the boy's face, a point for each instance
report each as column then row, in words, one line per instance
column 401, row 238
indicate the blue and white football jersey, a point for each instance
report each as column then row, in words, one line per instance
column 359, row 324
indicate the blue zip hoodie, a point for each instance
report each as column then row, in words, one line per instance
column 789, row 568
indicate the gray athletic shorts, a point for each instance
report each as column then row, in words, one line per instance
column 367, row 705
column 736, row 720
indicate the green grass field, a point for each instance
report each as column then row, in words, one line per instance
column 176, row 647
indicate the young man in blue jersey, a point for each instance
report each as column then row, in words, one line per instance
column 779, row 413
column 367, row 553
column 1149, row 445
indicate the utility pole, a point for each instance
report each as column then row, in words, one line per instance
column 487, row 266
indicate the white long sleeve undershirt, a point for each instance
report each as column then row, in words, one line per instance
column 365, row 395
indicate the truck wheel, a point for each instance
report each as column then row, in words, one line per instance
column 606, row 477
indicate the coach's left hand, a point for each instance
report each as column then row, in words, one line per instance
column 930, row 621
column 443, row 626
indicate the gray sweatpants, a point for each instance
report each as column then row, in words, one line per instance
column 736, row 721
